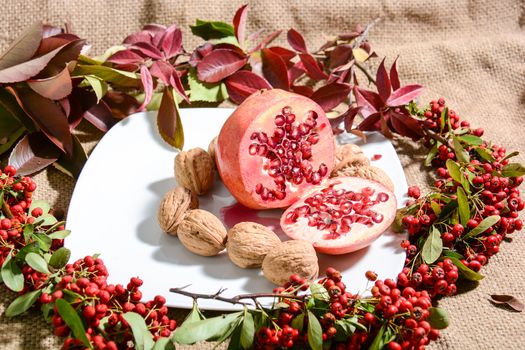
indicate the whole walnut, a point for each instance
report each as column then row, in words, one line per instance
column 194, row 170
column 202, row 233
column 211, row 149
column 288, row 258
column 173, row 208
column 349, row 155
column 249, row 242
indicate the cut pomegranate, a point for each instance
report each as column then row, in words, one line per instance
column 273, row 147
column 346, row 214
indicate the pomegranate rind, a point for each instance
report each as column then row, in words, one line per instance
column 240, row 171
column 359, row 237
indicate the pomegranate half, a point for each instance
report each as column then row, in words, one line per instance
column 341, row 216
column 273, row 147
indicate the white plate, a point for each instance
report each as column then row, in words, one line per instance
column 114, row 205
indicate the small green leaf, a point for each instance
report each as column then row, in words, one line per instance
column 438, row 318
column 510, row 155
column 483, row 153
column 435, row 208
column 37, row 262
column 100, row 87
column 164, row 344
column 454, row 170
column 483, row 226
column 201, row 91
column 248, row 330
column 59, row 234
column 28, row 232
column 205, row 329
column 315, row 332
column 40, row 204
column 73, row 321
column 432, row 153
column 378, row 343
column 60, row 258
column 46, row 220
column 433, row 246
column 319, row 292
column 43, row 241
column 22, row 303
column 110, row 75
column 465, row 271
column 141, row 334
column 442, row 118
column 211, row 29
column 448, row 209
column 461, row 154
column 32, row 247
column 298, row 322
column 12, row 275
column 451, row 254
column 463, row 206
column 471, row 139
column 513, row 170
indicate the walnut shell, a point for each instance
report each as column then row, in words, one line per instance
column 173, row 208
column 194, row 170
column 368, row 172
column 211, row 149
column 349, row 155
column 249, row 242
column 288, row 258
column 202, row 233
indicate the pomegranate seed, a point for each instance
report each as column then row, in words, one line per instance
column 377, row 156
column 253, row 149
column 279, row 120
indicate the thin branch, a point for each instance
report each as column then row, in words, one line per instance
column 367, row 73
column 364, row 35
column 437, row 137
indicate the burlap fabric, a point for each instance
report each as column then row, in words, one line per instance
column 471, row 52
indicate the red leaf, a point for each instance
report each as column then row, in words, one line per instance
column 405, row 125
column 139, row 37
column 274, row 69
column 54, row 88
column 100, row 116
column 121, row 104
column 394, row 77
column 32, row 153
column 296, row 71
column 146, row 49
column 508, row 300
column 23, row 48
column 125, row 57
column 243, row 83
column 154, row 29
column 47, row 115
column 370, row 123
column 177, row 84
column 303, row 90
column 284, row 53
column 147, row 85
column 68, row 53
column 49, row 30
column 331, row 95
column 340, row 55
column 219, row 64
column 383, row 82
column 171, row 42
column 312, row 67
column 404, row 95
column 296, row 40
column 350, row 113
column 349, row 36
column 199, row 53
column 72, row 164
column 168, row 121
column 239, row 24
column 168, row 75
column 268, row 39
column 229, row 47
column 369, row 101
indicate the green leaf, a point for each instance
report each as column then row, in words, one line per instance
column 201, row 91
column 205, row 329
column 40, row 204
column 433, row 246
column 378, row 343
column 8, row 141
column 46, row 220
column 298, row 322
column 319, row 292
column 432, row 153
column 30, row 248
column 164, row 344
column 465, row 272
column 510, row 155
column 463, row 206
column 110, row 75
column 99, row 86
column 211, row 30
column 471, row 139
column 47, row 311
column 483, row 226
column 60, row 258
column 513, row 170
column 315, row 332
column 141, row 334
column 438, row 318
column 37, row 262
column 442, row 118
column 22, row 303
column 72, row 165
column 456, row 174
column 43, row 241
column 108, row 53
column 29, row 229
column 73, row 321
column 435, row 208
column 483, row 153
column 448, row 209
column 461, row 154
column 248, row 330
column 59, row 234
column 235, row 339
column 12, row 275
column 451, row 254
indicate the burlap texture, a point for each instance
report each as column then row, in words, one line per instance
column 470, row 52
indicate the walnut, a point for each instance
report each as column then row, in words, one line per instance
column 194, row 170
column 202, row 233
column 288, row 258
column 249, row 242
column 173, row 208
column 349, row 155
column 368, row 172
column 212, row 149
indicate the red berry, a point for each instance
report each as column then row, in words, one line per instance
column 414, row 192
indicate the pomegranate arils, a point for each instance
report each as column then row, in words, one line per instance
column 288, row 153
column 337, row 210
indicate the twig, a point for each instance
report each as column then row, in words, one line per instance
column 364, row 35
column 236, row 299
column 367, row 73
column 437, row 137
